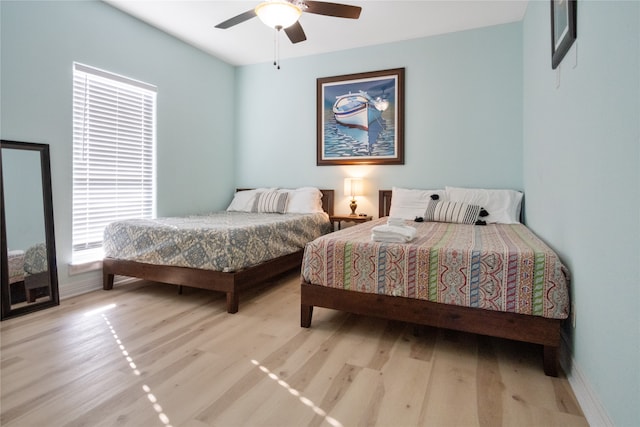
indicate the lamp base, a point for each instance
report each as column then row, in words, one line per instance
column 353, row 205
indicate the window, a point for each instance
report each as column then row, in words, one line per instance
column 113, row 155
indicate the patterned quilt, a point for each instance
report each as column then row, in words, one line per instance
column 16, row 265
column 35, row 259
column 221, row 241
column 495, row 267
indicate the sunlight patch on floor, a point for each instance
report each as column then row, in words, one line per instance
column 306, row 401
column 99, row 309
column 152, row 398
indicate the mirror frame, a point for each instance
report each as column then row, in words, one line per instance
column 45, row 171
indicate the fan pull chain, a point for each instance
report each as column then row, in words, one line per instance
column 276, row 47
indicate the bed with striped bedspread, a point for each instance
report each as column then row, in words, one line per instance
column 496, row 267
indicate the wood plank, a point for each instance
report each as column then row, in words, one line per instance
column 61, row 366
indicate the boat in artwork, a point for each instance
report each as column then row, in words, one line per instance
column 358, row 109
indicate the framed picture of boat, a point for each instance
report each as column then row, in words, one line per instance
column 361, row 118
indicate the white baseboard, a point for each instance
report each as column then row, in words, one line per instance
column 90, row 284
column 594, row 412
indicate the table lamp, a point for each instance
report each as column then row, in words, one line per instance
column 353, row 187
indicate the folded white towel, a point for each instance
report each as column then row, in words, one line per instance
column 388, row 239
column 393, row 233
column 395, row 221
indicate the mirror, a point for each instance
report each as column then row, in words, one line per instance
column 28, row 255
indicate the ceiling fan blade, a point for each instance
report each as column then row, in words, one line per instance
column 237, row 19
column 295, row 33
column 333, row 9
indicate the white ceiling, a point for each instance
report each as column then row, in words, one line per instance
column 381, row 21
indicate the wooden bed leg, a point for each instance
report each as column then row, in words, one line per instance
column 31, row 295
column 551, row 355
column 232, row 302
column 306, row 312
column 107, row 281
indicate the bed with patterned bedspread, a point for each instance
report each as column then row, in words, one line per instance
column 494, row 267
column 495, row 279
column 226, row 251
column 220, row 241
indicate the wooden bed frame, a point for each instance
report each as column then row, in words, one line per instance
column 519, row 327
column 231, row 283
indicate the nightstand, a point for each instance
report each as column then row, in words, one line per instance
column 348, row 218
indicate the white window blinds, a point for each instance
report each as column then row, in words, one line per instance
column 113, row 155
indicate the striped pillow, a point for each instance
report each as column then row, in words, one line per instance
column 457, row 212
column 270, row 202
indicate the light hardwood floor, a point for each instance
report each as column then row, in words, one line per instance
column 156, row 358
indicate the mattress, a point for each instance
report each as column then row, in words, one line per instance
column 501, row 267
column 220, row 241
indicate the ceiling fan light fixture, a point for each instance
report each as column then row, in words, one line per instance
column 278, row 13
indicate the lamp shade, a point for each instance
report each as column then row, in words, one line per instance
column 353, row 187
column 278, row 13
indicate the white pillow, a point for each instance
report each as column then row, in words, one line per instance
column 409, row 204
column 243, row 200
column 503, row 205
column 304, row 200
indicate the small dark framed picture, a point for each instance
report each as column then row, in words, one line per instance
column 563, row 29
column 360, row 118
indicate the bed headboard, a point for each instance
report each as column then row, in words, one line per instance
column 327, row 199
column 384, row 202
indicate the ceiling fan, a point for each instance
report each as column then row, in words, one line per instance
column 284, row 14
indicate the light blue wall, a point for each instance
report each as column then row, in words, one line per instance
column 39, row 43
column 463, row 121
column 582, row 183
column 23, row 198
